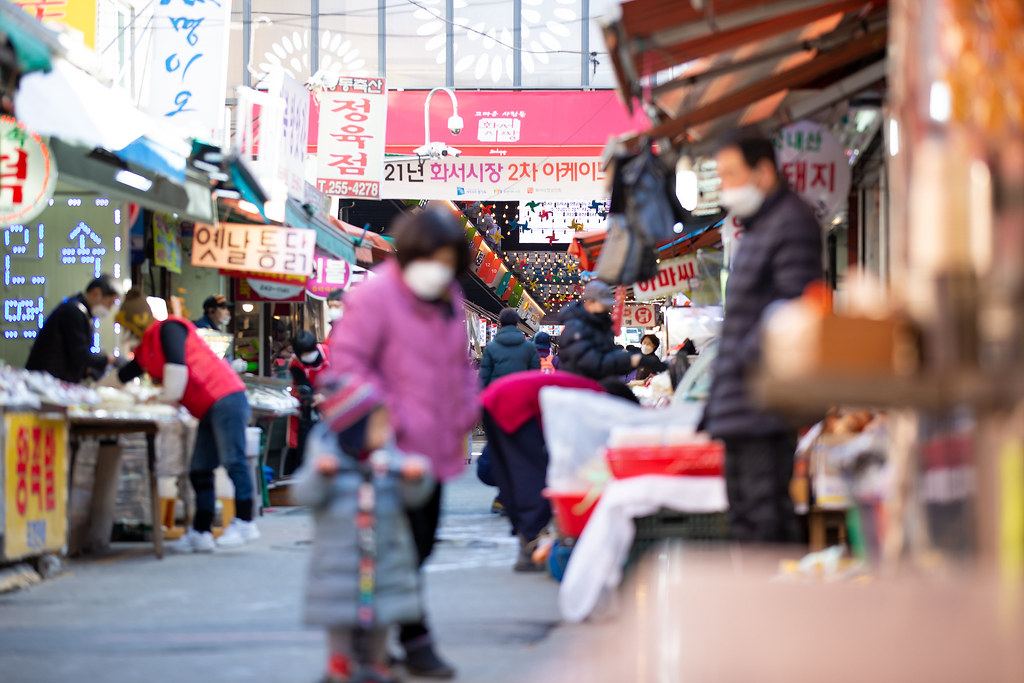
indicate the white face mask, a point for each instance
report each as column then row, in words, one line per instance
column 225, row 318
column 428, row 280
column 742, row 202
column 100, row 311
column 647, row 349
column 334, row 314
column 310, row 357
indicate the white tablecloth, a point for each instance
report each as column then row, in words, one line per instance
column 597, row 559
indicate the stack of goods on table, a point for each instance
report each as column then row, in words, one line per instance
column 32, row 390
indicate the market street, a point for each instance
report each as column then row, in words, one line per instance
column 235, row 615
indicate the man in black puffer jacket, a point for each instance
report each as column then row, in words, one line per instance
column 587, row 345
column 780, row 254
column 508, row 352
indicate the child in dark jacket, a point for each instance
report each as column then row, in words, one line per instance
column 363, row 570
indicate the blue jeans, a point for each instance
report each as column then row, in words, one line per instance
column 220, row 440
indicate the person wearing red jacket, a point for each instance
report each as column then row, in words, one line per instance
column 191, row 374
column 311, row 360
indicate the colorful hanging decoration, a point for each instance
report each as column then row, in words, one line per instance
column 576, row 225
column 544, row 215
column 533, row 205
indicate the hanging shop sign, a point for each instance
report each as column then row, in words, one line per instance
column 815, row 164
column 639, row 315
column 295, row 131
column 28, row 173
column 250, row 247
column 167, row 242
column 350, row 139
column 299, row 280
column 676, row 275
column 78, row 15
column 188, row 65
column 538, row 124
column 264, row 290
column 485, row 179
column 35, row 490
column 330, row 275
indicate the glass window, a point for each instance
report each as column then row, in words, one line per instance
column 604, row 77
column 348, row 37
column 552, row 41
column 284, row 41
column 416, row 44
column 483, row 45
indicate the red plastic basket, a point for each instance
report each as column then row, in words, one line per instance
column 693, row 460
column 571, row 509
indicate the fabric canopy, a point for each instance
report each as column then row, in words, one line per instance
column 745, row 61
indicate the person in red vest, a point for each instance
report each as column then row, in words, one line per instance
column 311, row 359
column 191, row 374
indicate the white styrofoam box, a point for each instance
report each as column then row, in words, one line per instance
column 252, row 440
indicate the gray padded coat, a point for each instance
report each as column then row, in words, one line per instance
column 332, row 593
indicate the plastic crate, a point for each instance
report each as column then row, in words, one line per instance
column 572, row 510
column 693, row 460
column 695, row 529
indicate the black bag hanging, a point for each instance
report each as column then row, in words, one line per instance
column 628, row 255
column 651, row 206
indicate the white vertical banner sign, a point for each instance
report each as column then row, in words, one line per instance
column 259, row 122
column 294, row 130
column 188, row 65
column 350, row 143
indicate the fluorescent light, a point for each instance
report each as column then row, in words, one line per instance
column 687, row 190
column 158, row 306
column 133, row 180
column 248, row 206
column 894, row 137
column 940, row 102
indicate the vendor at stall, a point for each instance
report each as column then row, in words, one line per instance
column 587, row 344
column 64, row 347
column 311, row 359
column 192, row 375
column 216, row 313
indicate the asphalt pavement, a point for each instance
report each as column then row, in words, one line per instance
column 236, row 615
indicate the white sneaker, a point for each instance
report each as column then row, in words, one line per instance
column 193, row 542
column 238, row 533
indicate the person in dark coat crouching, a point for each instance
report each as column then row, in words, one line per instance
column 508, row 352
column 780, row 256
column 363, row 572
column 587, row 344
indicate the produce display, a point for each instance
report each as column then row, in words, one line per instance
column 271, row 399
column 24, row 389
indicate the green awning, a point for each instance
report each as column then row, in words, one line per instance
column 328, row 237
column 33, row 44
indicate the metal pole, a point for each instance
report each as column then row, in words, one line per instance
column 449, row 66
column 382, row 42
column 314, row 36
column 246, row 37
column 517, row 43
column 585, row 44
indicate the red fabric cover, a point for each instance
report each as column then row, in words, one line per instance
column 514, row 399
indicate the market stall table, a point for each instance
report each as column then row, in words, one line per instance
column 97, row 426
column 265, row 419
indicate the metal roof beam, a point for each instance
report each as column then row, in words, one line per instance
column 803, row 74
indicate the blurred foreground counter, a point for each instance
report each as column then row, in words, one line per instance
column 729, row 616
